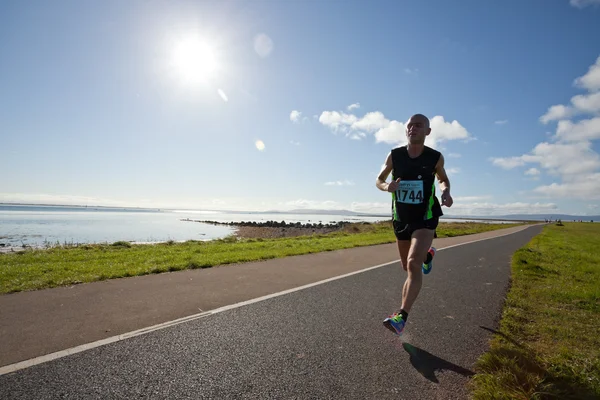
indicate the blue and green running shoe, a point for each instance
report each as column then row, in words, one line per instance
column 429, row 261
column 395, row 323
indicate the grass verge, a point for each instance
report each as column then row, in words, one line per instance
column 548, row 343
column 38, row 269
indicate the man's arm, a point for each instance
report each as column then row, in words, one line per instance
column 386, row 169
column 444, row 181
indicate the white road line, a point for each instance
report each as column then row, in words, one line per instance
column 78, row 349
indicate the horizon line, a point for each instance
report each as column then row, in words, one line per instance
column 280, row 211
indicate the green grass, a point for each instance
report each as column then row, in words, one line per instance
column 548, row 344
column 59, row 266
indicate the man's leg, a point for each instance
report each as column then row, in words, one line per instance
column 420, row 243
column 403, row 248
column 403, row 239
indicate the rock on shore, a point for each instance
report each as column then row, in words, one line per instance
column 275, row 229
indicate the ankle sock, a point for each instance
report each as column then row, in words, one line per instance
column 428, row 258
column 404, row 315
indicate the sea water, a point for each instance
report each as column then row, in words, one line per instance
column 48, row 225
column 41, row 225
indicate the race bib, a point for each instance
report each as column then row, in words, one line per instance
column 410, row 192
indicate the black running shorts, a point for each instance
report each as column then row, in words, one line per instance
column 405, row 231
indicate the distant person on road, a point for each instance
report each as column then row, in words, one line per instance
column 415, row 208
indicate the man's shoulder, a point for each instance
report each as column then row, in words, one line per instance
column 398, row 149
column 435, row 153
column 432, row 150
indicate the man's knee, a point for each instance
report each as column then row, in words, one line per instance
column 414, row 265
column 404, row 263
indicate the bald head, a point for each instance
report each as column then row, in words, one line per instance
column 417, row 128
column 421, row 118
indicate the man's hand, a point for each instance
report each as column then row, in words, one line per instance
column 393, row 185
column 446, row 198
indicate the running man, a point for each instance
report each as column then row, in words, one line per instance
column 415, row 208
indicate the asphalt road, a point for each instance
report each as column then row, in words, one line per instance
column 324, row 342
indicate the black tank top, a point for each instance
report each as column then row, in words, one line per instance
column 415, row 198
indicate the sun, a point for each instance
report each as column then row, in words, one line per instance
column 194, row 60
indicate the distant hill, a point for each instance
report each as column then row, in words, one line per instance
column 325, row 212
column 316, row 211
column 527, row 217
column 531, row 217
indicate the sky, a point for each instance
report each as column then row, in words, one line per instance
column 279, row 105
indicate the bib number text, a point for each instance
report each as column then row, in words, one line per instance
column 410, row 192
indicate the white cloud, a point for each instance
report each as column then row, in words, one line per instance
column 454, row 155
column 559, row 158
column 591, row 80
column 570, row 157
column 353, row 106
column 393, row 133
column 501, row 122
column 452, row 171
column 295, row 143
column 340, row 183
column 580, row 104
column 263, row 45
column 584, row 188
column 507, row 162
column 337, row 121
column 565, row 159
column 389, row 131
column 587, row 103
column 295, row 116
column 556, row 112
column 461, row 199
column 588, row 129
column 371, row 122
column 492, row 209
column 411, row 71
column 442, row 130
column 584, row 3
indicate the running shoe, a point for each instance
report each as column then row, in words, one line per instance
column 395, row 323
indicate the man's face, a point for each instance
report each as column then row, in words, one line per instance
column 417, row 128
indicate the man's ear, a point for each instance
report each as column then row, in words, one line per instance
column 428, row 131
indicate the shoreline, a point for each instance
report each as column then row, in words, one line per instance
column 251, row 230
column 274, row 229
column 243, row 230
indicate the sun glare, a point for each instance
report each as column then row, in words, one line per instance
column 194, row 60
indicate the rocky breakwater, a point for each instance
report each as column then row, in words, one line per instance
column 275, row 229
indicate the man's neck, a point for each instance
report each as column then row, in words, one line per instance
column 415, row 150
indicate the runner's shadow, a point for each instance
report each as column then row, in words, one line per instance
column 426, row 363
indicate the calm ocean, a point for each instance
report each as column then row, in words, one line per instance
column 37, row 225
